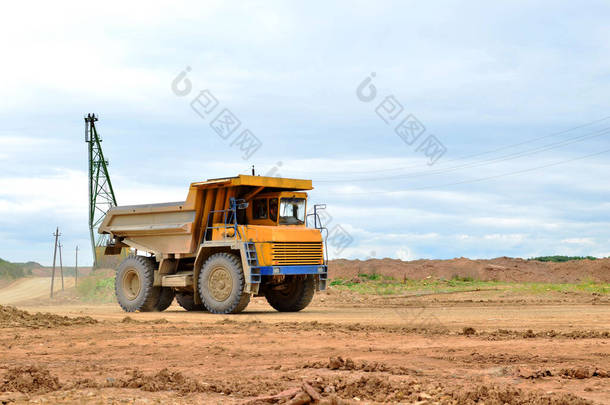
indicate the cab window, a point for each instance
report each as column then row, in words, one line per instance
column 273, row 209
column 292, row 211
column 259, row 208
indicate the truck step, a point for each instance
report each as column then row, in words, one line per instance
column 255, row 276
column 252, row 259
column 182, row 279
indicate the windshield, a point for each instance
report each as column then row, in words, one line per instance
column 292, row 211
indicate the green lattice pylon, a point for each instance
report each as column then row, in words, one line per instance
column 101, row 194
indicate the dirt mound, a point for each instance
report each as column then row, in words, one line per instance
column 372, row 388
column 159, row 321
column 572, row 372
column 532, row 374
column 530, row 334
column 30, row 379
column 163, row 380
column 11, row 317
column 166, row 380
column 500, row 269
column 584, row 372
column 385, row 388
column 338, row 363
column 512, row 396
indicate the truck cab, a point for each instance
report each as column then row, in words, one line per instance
column 232, row 238
column 278, row 209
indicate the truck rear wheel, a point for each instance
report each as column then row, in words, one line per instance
column 133, row 284
column 221, row 284
column 187, row 301
column 295, row 294
column 166, row 297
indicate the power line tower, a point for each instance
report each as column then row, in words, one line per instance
column 57, row 235
column 101, row 194
column 76, row 268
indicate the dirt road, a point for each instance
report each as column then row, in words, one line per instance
column 31, row 288
column 469, row 347
column 421, row 353
column 455, row 318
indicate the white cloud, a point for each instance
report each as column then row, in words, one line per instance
column 514, row 222
column 56, row 193
column 290, row 72
column 509, row 238
column 579, row 241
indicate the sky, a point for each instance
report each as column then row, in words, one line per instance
column 430, row 129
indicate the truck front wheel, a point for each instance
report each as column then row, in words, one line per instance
column 133, row 284
column 292, row 295
column 221, row 284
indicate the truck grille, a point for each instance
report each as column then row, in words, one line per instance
column 296, row 253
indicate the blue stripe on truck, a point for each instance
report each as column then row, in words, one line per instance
column 289, row 270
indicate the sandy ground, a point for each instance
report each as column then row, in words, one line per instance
column 31, row 288
column 481, row 317
column 449, row 349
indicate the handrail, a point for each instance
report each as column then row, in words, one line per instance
column 229, row 220
column 318, row 225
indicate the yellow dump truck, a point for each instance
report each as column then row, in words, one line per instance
column 231, row 239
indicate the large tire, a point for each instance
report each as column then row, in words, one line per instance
column 166, row 297
column 295, row 297
column 243, row 303
column 134, row 284
column 187, row 301
column 221, row 284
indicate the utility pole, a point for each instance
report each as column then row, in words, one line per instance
column 56, row 234
column 61, row 267
column 76, row 268
column 101, row 194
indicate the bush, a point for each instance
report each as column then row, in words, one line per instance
column 561, row 259
column 96, row 287
column 365, row 276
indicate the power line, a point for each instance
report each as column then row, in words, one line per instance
column 529, row 141
column 595, row 134
column 531, row 169
column 481, row 153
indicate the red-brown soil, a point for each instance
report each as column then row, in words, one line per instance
column 472, row 347
column 459, row 351
column 499, row 269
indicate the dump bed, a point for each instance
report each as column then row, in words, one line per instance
column 178, row 227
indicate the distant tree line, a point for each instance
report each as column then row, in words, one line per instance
column 11, row 271
column 561, row 259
